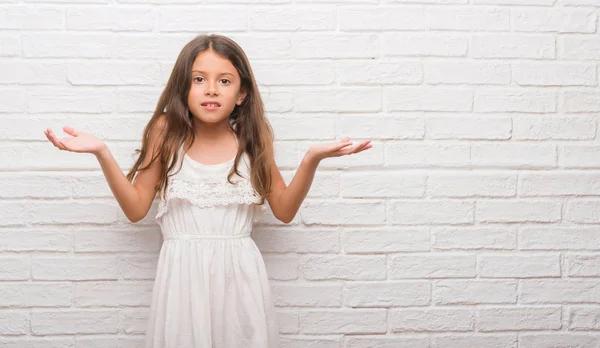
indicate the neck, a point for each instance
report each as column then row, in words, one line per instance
column 212, row 131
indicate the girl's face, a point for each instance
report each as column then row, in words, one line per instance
column 215, row 88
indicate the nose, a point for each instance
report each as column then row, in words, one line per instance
column 211, row 88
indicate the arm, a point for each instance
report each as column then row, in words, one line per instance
column 285, row 201
column 134, row 199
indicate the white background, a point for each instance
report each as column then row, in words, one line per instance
column 474, row 221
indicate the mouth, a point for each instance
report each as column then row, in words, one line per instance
column 211, row 105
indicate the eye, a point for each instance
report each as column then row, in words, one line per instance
column 225, row 81
column 197, row 78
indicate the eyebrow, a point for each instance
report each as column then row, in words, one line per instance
column 203, row 72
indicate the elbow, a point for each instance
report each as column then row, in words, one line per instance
column 135, row 216
column 286, row 219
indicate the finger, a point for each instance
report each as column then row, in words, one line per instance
column 56, row 141
column 342, row 145
column 71, row 131
column 345, row 139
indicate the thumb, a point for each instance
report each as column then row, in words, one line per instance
column 345, row 139
column 71, row 131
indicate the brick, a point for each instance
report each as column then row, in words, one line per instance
column 67, row 45
column 583, row 265
column 338, row 100
column 13, row 323
column 369, row 72
column 546, row 127
column 469, row 127
column 307, row 294
column 321, row 18
column 518, row 211
column 375, row 185
column 518, row 266
column 424, row 45
column 36, row 239
column 418, row 155
column 10, row 45
column 386, row 294
column 74, row 322
column 514, row 155
column 281, row 267
column 579, row 101
column 431, row 319
column 431, row 212
column 13, row 100
column 138, row 267
column 559, row 291
column 74, row 268
column 483, row 184
column 385, row 240
column 561, row 20
column 554, row 74
column 385, row 341
column 518, row 318
column 113, row 293
column 379, row 18
column 382, row 127
column 294, row 73
column 343, row 212
column 432, row 265
column 115, row 239
column 582, row 211
column 134, row 320
column 304, row 241
column 330, row 45
column 579, row 156
column 29, row 72
column 572, row 183
column 514, row 100
column 343, row 321
column 467, row 72
column 40, row 17
column 472, row 292
column 579, row 47
column 14, row 268
column 101, row 73
column 179, row 19
column 583, row 318
column 516, row 46
column 35, row 294
column 559, row 238
column 115, row 18
column 549, row 340
column 344, row 267
column 472, row 238
column 471, row 18
column 487, row 340
column 427, row 99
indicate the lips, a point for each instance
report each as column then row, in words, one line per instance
column 210, row 103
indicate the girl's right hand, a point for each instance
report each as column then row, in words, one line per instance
column 79, row 142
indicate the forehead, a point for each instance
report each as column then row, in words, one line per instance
column 211, row 62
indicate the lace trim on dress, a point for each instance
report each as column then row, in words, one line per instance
column 209, row 192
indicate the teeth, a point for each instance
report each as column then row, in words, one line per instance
column 212, row 105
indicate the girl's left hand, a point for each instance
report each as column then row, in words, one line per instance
column 344, row 147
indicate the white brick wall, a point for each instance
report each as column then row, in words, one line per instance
column 473, row 222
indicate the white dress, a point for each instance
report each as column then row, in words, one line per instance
column 211, row 288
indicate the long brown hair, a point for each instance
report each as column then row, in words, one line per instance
column 248, row 121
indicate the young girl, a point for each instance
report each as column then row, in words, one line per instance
column 208, row 153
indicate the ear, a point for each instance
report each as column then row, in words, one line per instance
column 241, row 97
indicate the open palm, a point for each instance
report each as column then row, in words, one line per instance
column 78, row 142
column 342, row 148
